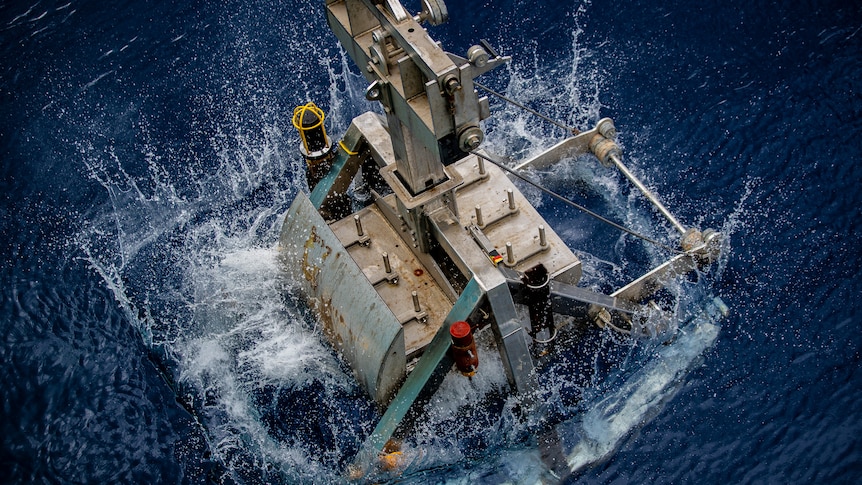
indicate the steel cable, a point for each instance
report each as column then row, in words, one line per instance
column 575, row 204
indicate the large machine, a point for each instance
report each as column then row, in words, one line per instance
column 413, row 237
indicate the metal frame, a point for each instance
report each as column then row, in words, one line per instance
column 449, row 218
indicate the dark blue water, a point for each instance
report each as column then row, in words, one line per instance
column 147, row 160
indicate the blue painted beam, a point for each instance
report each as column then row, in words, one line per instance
column 434, row 360
column 325, row 186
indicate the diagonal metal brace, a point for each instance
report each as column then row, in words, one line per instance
column 511, row 339
column 425, row 378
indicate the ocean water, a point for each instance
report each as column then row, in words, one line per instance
column 148, row 160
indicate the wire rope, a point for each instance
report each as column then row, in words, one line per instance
column 511, row 101
column 575, row 204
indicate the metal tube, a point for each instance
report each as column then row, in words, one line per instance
column 543, row 239
column 481, row 165
column 416, row 306
column 480, row 221
column 359, row 231
column 510, row 253
column 386, row 265
column 537, row 291
column 510, row 194
column 649, row 195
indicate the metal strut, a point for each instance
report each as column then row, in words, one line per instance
column 613, row 157
column 581, row 208
column 649, row 195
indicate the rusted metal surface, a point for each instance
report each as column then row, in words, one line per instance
column 354, row 316
column 464, row 348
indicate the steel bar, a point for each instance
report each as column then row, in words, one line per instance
column 649, row 195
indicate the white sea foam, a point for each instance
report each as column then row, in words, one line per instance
column 638, row 398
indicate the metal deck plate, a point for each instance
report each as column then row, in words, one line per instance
column 519, row 226
column 412, row 275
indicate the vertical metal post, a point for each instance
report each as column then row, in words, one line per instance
column 359, row 231
column 512, row 342
column 386, row 265
column 538, row 298
column 416, row 306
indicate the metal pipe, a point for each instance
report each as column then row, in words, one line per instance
column 649, row 195
column 480, row 221
column 510, row 253
column 537, row 290
column 386, row 265
column 416, row 306
column 510, row 195
column 359, row 231
column 543, row 239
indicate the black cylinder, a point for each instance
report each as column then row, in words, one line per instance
column 538, row 299
column 308, row 120
column 313, row 133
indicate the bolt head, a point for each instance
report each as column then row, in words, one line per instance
column 477, row 56
column 471, row 138
column 473, row 142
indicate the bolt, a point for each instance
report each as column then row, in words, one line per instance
column 359, row 230
column 452, row 84
column 386, row 265
column 416, row 306
column 472, row 142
